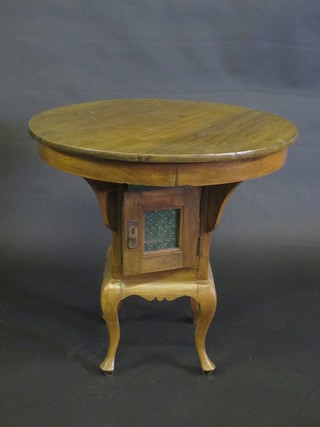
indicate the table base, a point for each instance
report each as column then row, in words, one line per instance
column 202, row 295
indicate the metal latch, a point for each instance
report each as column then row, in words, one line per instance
column 132, row 234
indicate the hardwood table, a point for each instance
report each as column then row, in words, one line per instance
column 162, row 171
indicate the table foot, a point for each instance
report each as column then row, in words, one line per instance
column 107, row 373
column 209, row 373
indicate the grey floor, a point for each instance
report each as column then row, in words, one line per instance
column 263, row 339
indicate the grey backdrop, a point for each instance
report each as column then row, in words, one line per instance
column 265, row 336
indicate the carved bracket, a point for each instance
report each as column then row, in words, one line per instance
column 108, row 197
column 214, row 199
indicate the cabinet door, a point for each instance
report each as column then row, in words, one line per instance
column 160, row 229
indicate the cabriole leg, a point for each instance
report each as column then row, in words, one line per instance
column 110, row 300
column 207, row 301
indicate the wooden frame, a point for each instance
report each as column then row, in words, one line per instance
column 135, row 204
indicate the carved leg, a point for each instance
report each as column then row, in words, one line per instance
column 110, row 299
column 194, row 309
column 207, row 301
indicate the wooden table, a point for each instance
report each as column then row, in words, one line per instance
column 175, row 160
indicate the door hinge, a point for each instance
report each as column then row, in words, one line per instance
column 199, row 246
column 201, row 207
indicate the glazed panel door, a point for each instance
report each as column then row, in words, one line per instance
column 160, row 229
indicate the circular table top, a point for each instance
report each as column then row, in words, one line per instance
column 162, row 142
column 162, row 131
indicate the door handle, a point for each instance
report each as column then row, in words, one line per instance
column 132, row 234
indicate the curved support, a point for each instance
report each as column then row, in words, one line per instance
column 201, row 293
column 208, row 301
column 215, row 198
column 110, row 300
column 107, row 195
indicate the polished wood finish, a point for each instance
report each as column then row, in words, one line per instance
column 163, row 175
column 162, row 131
column 185, row 255
column 125, row 276
column 199, row 151
column 201, row 292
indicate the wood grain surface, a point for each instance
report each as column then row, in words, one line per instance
column 162, row 131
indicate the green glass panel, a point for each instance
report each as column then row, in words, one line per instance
column 161, row 229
